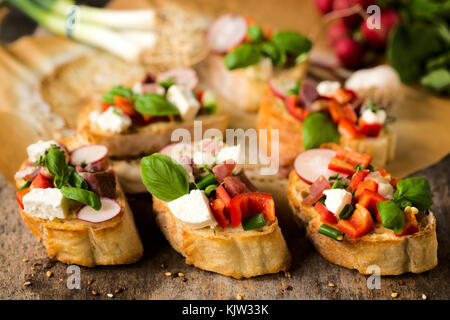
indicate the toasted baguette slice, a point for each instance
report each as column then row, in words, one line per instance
column 273, row 115
column 239, row 87
column 231, row 251
column 394, row 255
column 74, row 241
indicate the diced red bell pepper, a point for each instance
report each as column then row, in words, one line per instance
column 385, row 174
column 267, row 32
column 222, row 194
column 369, row 129
column 293, row 108
column 126, row 105
column 358, row 225
column 218, row 209
column 349, row 113
column 394, row 182
column 369, row 199
column 347, row 129
column 325, row 215
column 199, row 95
column 105, row 106
column 411, row 225
column 343, row 96
column 357, row 178
column 354, row 157
column 19, row 196
column 250, row 21
column 340, row 165
column 41, row 182
column 249, row 204
column 335, row 110
column 366, row 185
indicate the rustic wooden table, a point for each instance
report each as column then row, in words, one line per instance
column 310, row 277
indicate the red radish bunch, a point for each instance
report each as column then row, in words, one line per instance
column 378, row 37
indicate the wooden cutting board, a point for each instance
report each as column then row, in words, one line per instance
column 310, row 277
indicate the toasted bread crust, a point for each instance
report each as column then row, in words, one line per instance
column 145, row 140
column 394, row 255
column 273, row 115
column 233, row 253
column 73, row 241
column 236, row 86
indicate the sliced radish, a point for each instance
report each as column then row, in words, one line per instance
column 186, row 77
column 181, row 152
column 110, row 208
column 225, row 32
column 88, row 154
column 311, row 164
column 281, row 86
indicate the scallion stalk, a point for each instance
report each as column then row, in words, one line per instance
column 331, row 232
column 207, row 180
column 253, row 222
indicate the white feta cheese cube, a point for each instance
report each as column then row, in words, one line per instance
column 385, row 189
column 46, row 203
column 328, row 88
column 38, row 149
column 379, row 116
column 231, row 153
column 113, row 120
column 204, row 158
column 137, row 88
column 193, row 210
column 336, row 199
column 184, row 100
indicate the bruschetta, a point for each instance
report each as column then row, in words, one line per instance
column 363, row 219
column 307, row 117
column 211, row 213
column 244, row 55
column 138, row 121
column 70, row 199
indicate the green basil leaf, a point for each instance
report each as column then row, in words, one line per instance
column 318, row 128
column 77, row 181
column 270, row 49
column 81, row 195
column 154, row 105
column 166, row 84
column 437, row 80
column 392, row 216
column 416, row 190
column 255, row 33
column 442, row 61
column 292, row 42
column 163, row 177
column 117, row 91
column 56, row 163
column 242, row 56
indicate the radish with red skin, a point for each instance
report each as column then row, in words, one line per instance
column 336, row 31
column 110, row 208
column 281, row 86
column 378, row 37
column 350, row 52
column 355, row 19
column 225, row 32
column 186, row 77
column 313, row 163
column 324, row 6
column 90, row 154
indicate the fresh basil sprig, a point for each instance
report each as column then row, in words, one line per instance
column 154, row 105
column 56, row 163
column 255, row 33
column 392, row 216
column 415, row 190
column 292, row 42
column 242, row 56
column 318, row 128
column 81, row 195
column 163, row 177
column 270, row 49
column 117, row 91
column 76, row 180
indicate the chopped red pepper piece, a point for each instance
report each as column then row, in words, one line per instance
column 344, row 95
column 325, row 215
column 394, row 182
column 105, row 106
column 358, row 225
column 347, row 129
column 369, row 129
column 340, row 165
column 19, row 196
column 335, row 110
column 369, row 199
column 222, row 194
column 249, row 204
column 357, row 178
column 218, row 209
column 349, row 113
column 126, row 105
column 294, row 109
column 411, row 225
column 41, row 182
column 366, row 185
column 354, row 157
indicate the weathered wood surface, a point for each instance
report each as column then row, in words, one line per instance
column 310, row 273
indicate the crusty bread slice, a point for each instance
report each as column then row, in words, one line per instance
column 273, row 115
column 231, row 251
column 394, row 255
column 74, row 241
column 236, row 86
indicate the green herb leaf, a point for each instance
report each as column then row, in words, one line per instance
column 270, row 49
column 81, row 195
column 75, row 180
column 392, row 216
column 108, row 97
column 166, row 84
column 253, row 222
column 437, row 80
column 318, row 128
column 255, row 33
column 154, row 105
column 163, row 177
column 416, row 190
column 242, row 56
column 26, row 185
column 56, row 163
column 292, row 42
column 295, row 90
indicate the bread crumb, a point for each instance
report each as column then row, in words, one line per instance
column 287, row 274
column 181, row 274
column 90, row 282
column 240, row 297
column 331, row 284
column 110, row 295
column 424, row 297
column 289, row 288
column 94, row 293
column 119, row 290
column 401, row 282
column 27, row 284
column 168, row 274
column 337, row 290
column 24, row 260
column 183, row 279
column 49, row 274
column 394, row 294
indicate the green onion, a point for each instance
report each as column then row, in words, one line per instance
column 26, row 185
column 210, row 188
column 207, row 180
column 253, row 222
column 346, row 212
column 331, row 232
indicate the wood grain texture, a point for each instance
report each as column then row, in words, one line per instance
column 310, row 273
